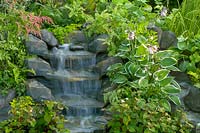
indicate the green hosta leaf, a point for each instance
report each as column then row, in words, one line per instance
column 176, row 84
column 133, row 84
column 141, row 51
column 120, row 79
column 166, row 81
column 173, row 68
column 164, row 54
column 182, row 44
column 132, row 68
column 140, row 73
column 141, row 39
column 168, row 61
column 143, row 82
column 183, row 65
column 114, row 67
column 165, row 103
column 171, row 89
column 175, row 99
column 161, row 74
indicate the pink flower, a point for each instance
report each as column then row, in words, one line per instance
column 152, row 49
column 131, row 35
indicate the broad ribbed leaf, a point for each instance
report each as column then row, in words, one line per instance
column 132, row 68
column 168, row 61
column 120, row 79
column 171, row 89
column 175, row 99
column 114, row 67
column 143, row 82
column 161, row 74
column 141, row 51
column 165, row 103
column 166, row 81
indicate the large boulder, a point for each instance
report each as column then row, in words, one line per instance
column 98, row 44
column 38, row 91
column 76, row 37
column 192, row 100
column 5, row 100
column 36, row 46
column 49, row 38
column 40, row 66
column 102, row 66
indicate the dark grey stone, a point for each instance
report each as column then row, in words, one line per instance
column 76, row 47
column 49, row 38
column 36, row 46
column 5, row 100
column 192, row 100
column 165, row 38
column 38, row 91
column 76, row 37
column 40, row 66
column 98, row 44
column 102, row 66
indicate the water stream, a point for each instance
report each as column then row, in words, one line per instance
column 79, row 89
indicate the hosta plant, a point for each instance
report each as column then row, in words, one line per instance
column 141, row 101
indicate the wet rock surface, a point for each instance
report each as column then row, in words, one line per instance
column 49, row 38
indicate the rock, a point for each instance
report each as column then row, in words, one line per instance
column 49, row 38
column 76, row 37
column 40, row 66
column 101, row 57
column 38, row 91
column 98, row 44
column 5, row 100
column 192, row 100
column 36, row 46
column 165, row 38
column 76, row 47
column 180, row 76
column 102, row 66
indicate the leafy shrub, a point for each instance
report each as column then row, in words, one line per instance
column 62, row 32
column 137, row 115
column 29, row 116
column 141, row 101
column 190, row 57
column 184, row 21
column 12, row 50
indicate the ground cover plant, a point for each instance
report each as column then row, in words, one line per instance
column 28, row 116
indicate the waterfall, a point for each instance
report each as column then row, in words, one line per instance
column 79, row 88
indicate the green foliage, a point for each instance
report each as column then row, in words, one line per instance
column 184, row 21
column 190, row 57
column 117, row 17
column 61, row 32
column 12, row 50
column 30, row 116
column 136, row 115
column 141, row 101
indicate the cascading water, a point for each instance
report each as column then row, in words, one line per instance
column 79, row 89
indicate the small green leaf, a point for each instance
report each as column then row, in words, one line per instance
column 168, row 61
column 171, row 89
column 143, row 82
column 141, row 51
column 141, row 39
column 165, row 103
column 175, row 99
column 164, row 54
column 114, row 67
column 132, row 68
column 166, row 81
column 161, row 74
column 120, row 79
